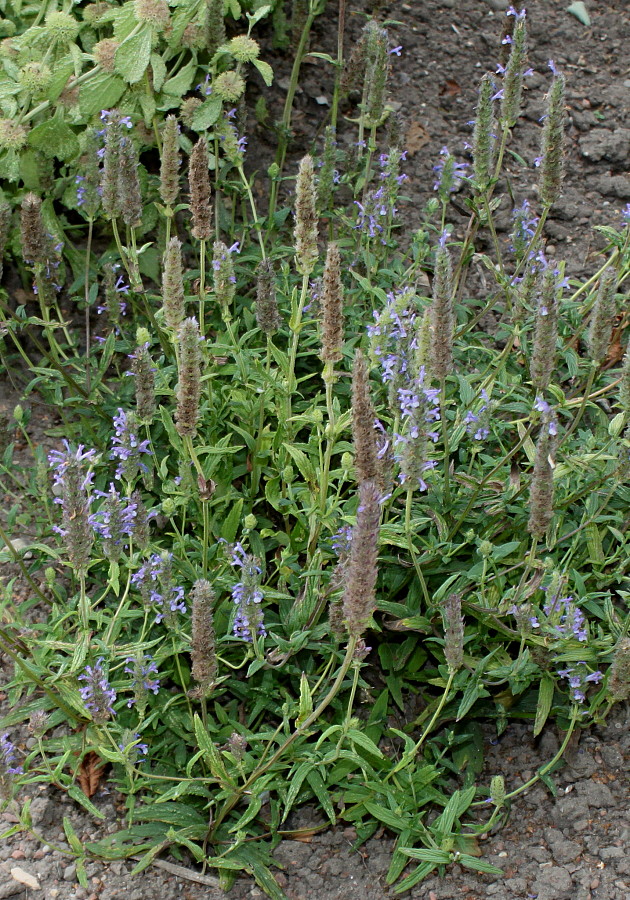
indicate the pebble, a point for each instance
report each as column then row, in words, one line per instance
column 69, row 873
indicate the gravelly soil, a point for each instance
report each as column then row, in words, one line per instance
column 572, row 846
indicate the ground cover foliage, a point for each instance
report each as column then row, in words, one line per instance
column 323, row 500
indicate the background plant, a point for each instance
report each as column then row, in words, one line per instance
column 325, row 493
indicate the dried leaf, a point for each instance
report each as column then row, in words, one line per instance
column 25, row 878
column 417, row 136
column 450, row 88
column 90, row 773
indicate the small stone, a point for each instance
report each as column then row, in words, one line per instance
column 18, row 854
column 70, row 872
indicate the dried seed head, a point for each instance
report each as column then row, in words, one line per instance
column 552, row 148
column 624, row 387
column 189, row 384
column 513, row 75
column 359, row 598
column 170, row 162
column 12, row 135
column 618, row 685
column 154, row 12
column 326, row 176
column 332, row 307
column 541, row 490
column 546, row 331
column 442, row 316
column 142, row 529
column 453, row 632
column 366, row 462
column 376, row 72
column 483, row 135
column 104, row 53
column 267, row 315
column 144, row 372
column 110, row 188
column 5, row 225
column 203, row 655
column 188, row 109
column 34, row 242
column 199, row 182
column 129, row 184
column 604, row 310
column 223, row 277
column 173, row 303
column 214, row 25
column 305, row 232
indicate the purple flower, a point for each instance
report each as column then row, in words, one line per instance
column 395, row 51
column 98, row 695
column 525, row 223
column 73, row 477
column 341, row 541
column 205, row 87
column 476, row 422
column 154, row 580
column 142, row 669
column 247, row 595
column 578, row 679
column 449, row 174
column 565, row 617
column 625, row 214
column 114, row 522
column 553, row 67
column 417, row 413
column 127, row 447
column 7, row 758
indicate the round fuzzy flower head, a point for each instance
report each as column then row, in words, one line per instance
column 154, row 12
column 12, row 135
column 104, row 53
column 244, row 49
column 62, row 27
column 229, row 86
column 35, row 78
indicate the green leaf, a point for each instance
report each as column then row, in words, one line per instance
column 545, row 698
column 232, row 521
column 210, row 752
column 182, row 82
column 479, row 865
column 77, row 795
column 295, row 783
column 207, row 114
column 416, row 876
column 134, row 55
column 358, row 737
column 395, row 821
column 302, row 462
column 306, row 701
column 171, row 813
column 259, row 14
column 250, row 813
column 321, row 792
column 73, row 838
column 265, row 70
column 158, row 69
column 54, row 138
column 101, row 91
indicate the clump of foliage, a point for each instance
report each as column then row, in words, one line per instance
column 301, row 488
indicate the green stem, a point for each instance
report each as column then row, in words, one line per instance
column 314, row 716
column 412, row 549
column 408, row 757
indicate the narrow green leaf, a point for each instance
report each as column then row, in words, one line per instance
column 77, row 794
column 545, row 698
column 321, row 792
column 579, row 10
